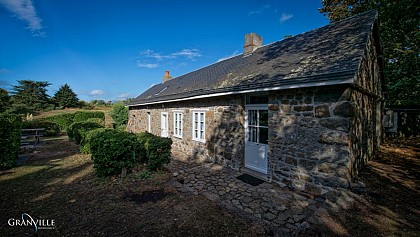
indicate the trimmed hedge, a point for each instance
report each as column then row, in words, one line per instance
column 51, row 128
column 80, row 116
column 97, row 120
column 87, row 138
column 77, row 130
column 10, row 138
column 113, row 150
column 156, row 150
column 63, row 120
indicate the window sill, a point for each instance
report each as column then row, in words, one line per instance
column 199, row 140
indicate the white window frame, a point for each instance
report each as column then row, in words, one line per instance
column 178, row 124
column 199, row 126
column 149, row 122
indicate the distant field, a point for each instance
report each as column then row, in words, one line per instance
column 108, row 119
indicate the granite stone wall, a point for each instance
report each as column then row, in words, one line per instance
column 309, row 138
column 224, row 133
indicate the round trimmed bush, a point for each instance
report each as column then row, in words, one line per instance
column 113, row 150
column 76, row 131
column 87, row 138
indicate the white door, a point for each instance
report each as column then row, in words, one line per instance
column 256, row 138
column 164, row 124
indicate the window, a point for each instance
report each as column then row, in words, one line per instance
column 199, row 126
column 149, row 122
column 178, row 124
column 258, row 126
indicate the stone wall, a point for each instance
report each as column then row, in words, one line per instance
column 366, row 125
column 309, row 138
column 224, row 128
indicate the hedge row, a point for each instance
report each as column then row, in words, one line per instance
column 62, row 120
column 77, row 130
column 51, row 128
column 10, row 137
column 112, row 150
column 80, row 116
column 65, row 120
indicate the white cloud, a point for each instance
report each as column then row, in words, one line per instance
column 150, row 59
column 148, row 53
column 285, row 17
column 259, row 11
column 229, row 56
column 96, row 93
column 5, row 71
column 124, row 95
column 24, row 10
column 147, row 65
column 188, row 53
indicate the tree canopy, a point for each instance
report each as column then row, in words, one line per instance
column 30, row 96
column 65, row 97
column 400, row 36
column 119, row 114
column 4, row 100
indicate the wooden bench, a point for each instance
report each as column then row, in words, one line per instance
column 35, row 133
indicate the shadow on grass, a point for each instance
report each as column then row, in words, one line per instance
column 65, row 189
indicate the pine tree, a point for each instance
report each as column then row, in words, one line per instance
column 30, row 96
column 65, row 97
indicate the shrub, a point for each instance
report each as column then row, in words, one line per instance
column 97, row 120
column 113, row 150
column 51, row 128
column 77, row 130
column 119, row 114
column 80, row 116
column 87, row 138
column 157, row 150
column 63, row 120
column 10, row 137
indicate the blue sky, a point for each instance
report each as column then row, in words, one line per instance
column 115, row 49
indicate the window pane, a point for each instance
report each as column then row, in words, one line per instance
column 263, row 135
column 201, row 117
column 195, row 133
column 252, row 117
column 201, row 134
column 252, row 134
column 263, row 117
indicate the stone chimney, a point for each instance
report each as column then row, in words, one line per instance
column 166, row 77
column 252, row 42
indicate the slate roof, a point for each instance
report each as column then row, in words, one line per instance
column 327, row 55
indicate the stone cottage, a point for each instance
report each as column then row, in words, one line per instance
column 304, row 111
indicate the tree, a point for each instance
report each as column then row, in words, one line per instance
column 65, row 97
column 400, row 36
column 30, row 96
column 119, row 114
column 4, row 100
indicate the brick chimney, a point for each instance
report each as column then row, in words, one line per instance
column 252, row 42
column 166, row 77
